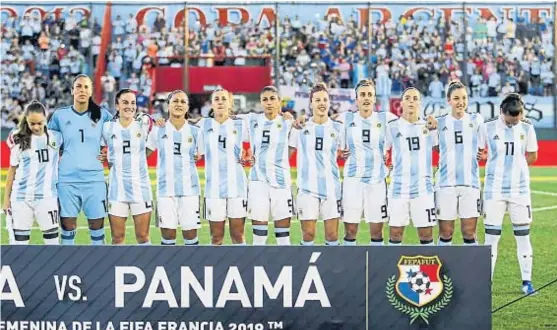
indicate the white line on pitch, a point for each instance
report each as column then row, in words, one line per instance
column 547, row 193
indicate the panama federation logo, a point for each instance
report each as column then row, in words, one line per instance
column 419, row 291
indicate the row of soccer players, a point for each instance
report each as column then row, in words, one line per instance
column 362, row 137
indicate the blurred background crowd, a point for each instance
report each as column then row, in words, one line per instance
column 39, row 57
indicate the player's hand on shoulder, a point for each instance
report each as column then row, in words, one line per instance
column 287, row 115
column 194, row 121
column 161, row 122
column 300, row 122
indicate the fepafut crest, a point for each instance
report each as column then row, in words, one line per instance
column 421, row 291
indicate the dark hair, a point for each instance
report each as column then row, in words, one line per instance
column 408, row 89
column 270, row 88
column 119, row 95
column 174, row 92
column 453, row 86
column 364, row 83
column 319, row 87
column 512, row 104
column 93, row 108
column 23, row 135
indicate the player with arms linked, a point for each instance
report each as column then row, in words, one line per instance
column 318, row 145
column 411, row 188
column 458, row 177
column 31, row 180
column 81, row 183
column 512, row 146
column 364, row 188
column 221, row 142
column 178, row 189
column 129, row 183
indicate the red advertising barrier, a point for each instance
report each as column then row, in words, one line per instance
column 236, row 79
column 547, row 156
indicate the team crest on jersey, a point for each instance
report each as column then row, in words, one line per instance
column 522, row 136
column 420, row 290
column 53, row 144
column 378, row 125
column 138, row 135
column 333, row 135
column 471, row 125
column 425, row 131
column 496, row 137
column 190, row 140
column 279, row 125
column 234, row 132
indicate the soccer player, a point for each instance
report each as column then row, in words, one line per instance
column 221, row 142
column 411, row 189
column 319, row 191
column 81, row 183
column 269, row 179
column 364, row 189
column 457, row 188
column 178, row 190
column 512, row 146
column 129, row 183
column 31, row 180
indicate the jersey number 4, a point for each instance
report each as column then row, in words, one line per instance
column 222, row 141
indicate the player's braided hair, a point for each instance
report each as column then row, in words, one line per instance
column 512, row 104
column 23, row 134
column 171, row 95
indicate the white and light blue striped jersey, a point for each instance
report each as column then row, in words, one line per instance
column 36, row 175
column 458, row 146
column 507, row 174
column 176, row 171
column 269, row 144
column 222, row 146
column 411, row 143
column 317, row 146
column 128, row 180
column 365, row 138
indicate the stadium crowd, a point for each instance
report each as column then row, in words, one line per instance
column 39, row 58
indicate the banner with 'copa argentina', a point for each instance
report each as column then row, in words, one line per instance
column 257, row 288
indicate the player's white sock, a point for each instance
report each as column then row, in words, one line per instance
column 22, row 237
column 492, row 237
column 393, row 242
column 168, row 241
column 524, row 251
column 427, row 242
column 376, row 242
column 68, row 237
column 51, row 237
column 332, row 243
column 260, row 234
column 283, row 236
column 307, row 243
column 349, row 241
column 97, row 236
column 444, row 242
column 191, row 242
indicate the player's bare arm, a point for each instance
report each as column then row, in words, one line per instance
column 531, row 157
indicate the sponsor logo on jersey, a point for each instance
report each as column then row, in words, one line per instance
column 419, row 290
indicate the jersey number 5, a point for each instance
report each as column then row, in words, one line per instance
column 266, row 137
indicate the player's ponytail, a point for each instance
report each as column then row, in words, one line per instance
column 94, row 110
column 23, row 134
column 512, row 104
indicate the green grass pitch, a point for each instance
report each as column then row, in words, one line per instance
column 536, row 312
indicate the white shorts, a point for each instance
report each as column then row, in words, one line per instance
column 123, row 209
column 421, row 210
column 44, row 210
column 458, row 202
column 519, row 208
column 362, row 198
column 313, row 208
column 218, row 209
column 182, row 211
column 263, row 198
